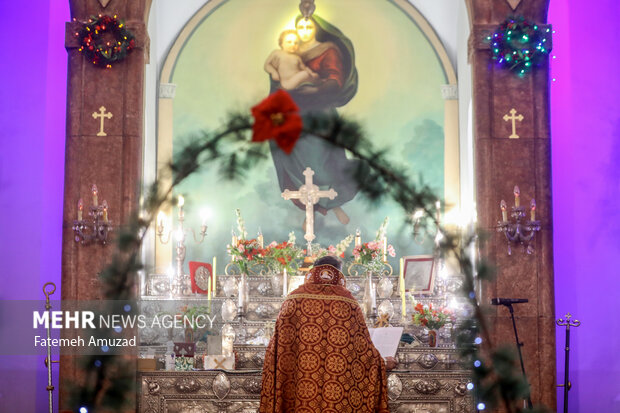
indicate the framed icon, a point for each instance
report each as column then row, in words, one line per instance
column 419, row 273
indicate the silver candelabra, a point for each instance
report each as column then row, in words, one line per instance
column 97, row 226
column 179, row 279
column 519, row 230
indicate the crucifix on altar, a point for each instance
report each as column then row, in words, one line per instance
column 309, row 194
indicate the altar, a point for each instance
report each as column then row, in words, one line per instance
column 426, row 379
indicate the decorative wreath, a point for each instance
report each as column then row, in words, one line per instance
column 518, row 45
column 105, row 40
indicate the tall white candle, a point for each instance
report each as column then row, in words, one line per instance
column 214, row 275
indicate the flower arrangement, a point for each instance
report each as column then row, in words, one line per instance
column 246, row 253
column 432, row 319
column 281, row 256
column 191, row 314
column 370, row 255
column 336, row 251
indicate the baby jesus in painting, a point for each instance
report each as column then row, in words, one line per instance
column 285, row 66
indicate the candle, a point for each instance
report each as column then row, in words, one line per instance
column 180, row 204
column 284, row 283
column 502, row 205
column 80, row 209
column 373, row 296
column 95, row 195
column 105, row 211
column 401, row 283
column 234, row 239
column 261, row 240
column 209, row 289
column 358, row 238
column 517, row 199
column 532, row 210
column 241, row 298
column 384, row 248
column 214, row 275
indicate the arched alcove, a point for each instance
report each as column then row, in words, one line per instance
column 406, row 100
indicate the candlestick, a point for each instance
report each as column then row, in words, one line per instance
column 80, row 209
column 532, row 210
column 517, row 196
column 203, row 215
column 180, row 205
column 214, row 276
column 358, row 238
column 241, row 298
column 503, row 207
column 95, row 195
column 373, row 296
column 105, row 211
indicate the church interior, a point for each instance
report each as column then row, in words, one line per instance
column 439, row 148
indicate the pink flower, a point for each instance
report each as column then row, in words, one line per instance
column 391, row 251
column 331, row 249
column 241, row 248
column 273, row 244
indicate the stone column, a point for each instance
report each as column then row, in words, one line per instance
column 500, row 164
column 113, row 162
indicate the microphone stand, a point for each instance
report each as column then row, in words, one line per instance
column 519, row 345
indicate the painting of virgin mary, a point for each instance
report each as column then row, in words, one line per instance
column 326, row 51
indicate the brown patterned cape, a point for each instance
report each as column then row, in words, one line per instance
column 321, row 358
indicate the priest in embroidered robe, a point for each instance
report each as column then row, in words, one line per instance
column 321, row 358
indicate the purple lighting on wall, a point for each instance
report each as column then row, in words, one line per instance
column 32, row 144
column 586, row 186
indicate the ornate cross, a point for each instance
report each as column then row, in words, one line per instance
column 102, row 115
column 513, row 118
column 309, row 194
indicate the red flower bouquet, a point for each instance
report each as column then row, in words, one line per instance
column 246, row 253
column 432, row 319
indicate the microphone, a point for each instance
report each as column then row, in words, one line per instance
column 508, row 301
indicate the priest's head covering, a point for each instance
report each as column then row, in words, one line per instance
column 326, row 270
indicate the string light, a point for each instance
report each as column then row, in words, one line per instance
column 102, row 52
column 518, row 45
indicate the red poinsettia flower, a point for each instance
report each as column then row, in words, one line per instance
column 277, row 117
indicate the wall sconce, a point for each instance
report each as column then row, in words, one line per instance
column 97, row 226
column 517, row 230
